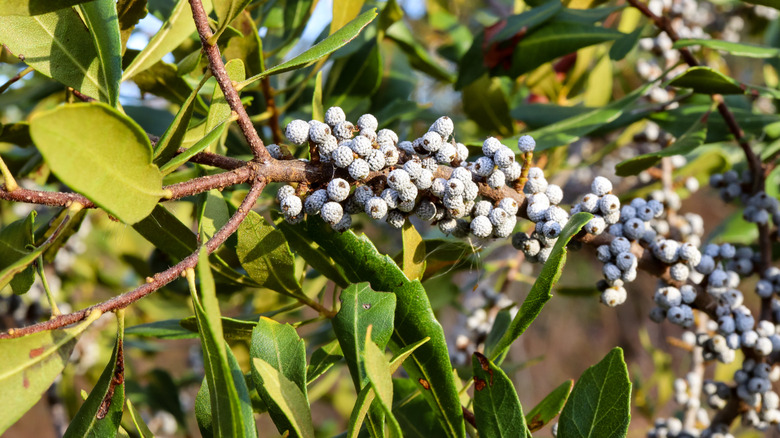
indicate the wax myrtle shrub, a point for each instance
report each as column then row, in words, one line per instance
column 301, row 218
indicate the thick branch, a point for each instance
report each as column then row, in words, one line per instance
column 153, row 283
column 225, row 84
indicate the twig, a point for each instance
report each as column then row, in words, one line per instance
column 55, row 311
column 225, row 84
column 16, row 77
column 8, row 177
column 153, row 283
column 83, row 97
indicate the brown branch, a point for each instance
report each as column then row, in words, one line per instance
column 270, row 104
column 15, row 78
column 225, row 84
column 153, row 283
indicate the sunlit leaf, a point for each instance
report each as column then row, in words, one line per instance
column 287, row 396
column 497, row 409
column 121, row 177
column 102, row 20
column 29, row 365
column 549, row 407
column 600, row 404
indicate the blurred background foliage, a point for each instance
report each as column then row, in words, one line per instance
column 572, row 74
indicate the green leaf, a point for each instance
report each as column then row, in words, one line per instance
column 101, row 414
column 280, row 346
column 140, row 427
column 315, row 256
column 497, row 409
column 162, row 79
column 735, row 229
column 287, row 396
column 322, row 359
column 367, row 394
column 57, row 45
column 485, row 101
column 529, row 20
column 232, row 329
column 600, row 404
column 771, row 3
column 413, row 413
column 413, row 252
column 321, row 49
column 167, row 329
column 101, row 19
column 572, row 128
column 379, row 374
column 557, row 39
column 625, row 44
column 344, row 12
column 418, row 56
column 14, row 240
column 29, row 365
column 203, row 410
column 226, row 11
column 129, row 12
column 547, row 409
column 587, row 16
column 686, row 144
column 35, row 7
column 198, row 147
column 229, row 400
column 357, row 76
column 8, row 273
column 220, row 111
column 414, row 319
column 266, row 257
column 121, row 177
column 176, row 29
column 317, row 109
column 541, row 290
column 736, row 49
column 213, row 214
column 361, row 307
column 706, row 80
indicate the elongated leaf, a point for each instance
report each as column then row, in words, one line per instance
column 220, row 111
column 413, row 413
column 541, row 290
column 288, row 398
column 587, row 16
column 497, row 409
column 203, row 409
column 198, row 147
column 173, row 137
column 140, row 427
column 358, row 75
column 121, row 177
column 361, row 307
column 226, row 12
column 625, row 44
column 101, row 414
column 414, row 252
column 129, row 12
column 58, row 45
column 692, row 139
column 164, row 80
column 528, row 20
column 572, row 128
column 14, row 240
column 167, row 329
column 264, row 254
column 771, row 3
column 29, row 365
column 485, row 101
column 736, row 49
column 8, row 273
column 600, row 404
column 213, row 214
column 344, row 12
column 429, row 365
column 101, row 19
column 230, row 405
column 317, row 109
column 379, row 375
column 232, row 328
column 367, row 394
column 176, row 29
column 556, row 39
column 549, row 407
column 322, row 359
column 315, row 256
column 280, row 346
column 35, row 7
column 707, row 81
column 321, row 49
column 418, row 57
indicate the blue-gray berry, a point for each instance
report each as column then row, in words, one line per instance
column 367, row 121
column 297, row 132
column 335, row 115
column 490, row 146
column 509, row 205
column 483, row 166
column 443, row 126
column 343, row 156
column 343, row 131
column 497, row 179
column 331, row 212
column 314, row 202
column 285, row 191
column 338, row 189
column 504, row 157
column 359, row 169
column 376, row 208
column 601, row 186
column 526, row 143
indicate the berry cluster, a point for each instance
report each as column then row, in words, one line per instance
column 543, row 210
column 760, row 208
column 406, row 177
